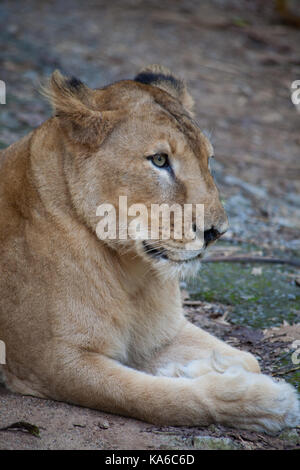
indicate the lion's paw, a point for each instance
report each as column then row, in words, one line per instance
column 253, row 401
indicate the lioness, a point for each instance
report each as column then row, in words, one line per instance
column 100, row 323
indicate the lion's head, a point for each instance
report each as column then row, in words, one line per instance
column 137, row 138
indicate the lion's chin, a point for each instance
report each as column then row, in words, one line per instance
column 173, row 263
column 184, row 257
column 182, row 269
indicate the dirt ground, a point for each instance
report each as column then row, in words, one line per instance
column 239, row 61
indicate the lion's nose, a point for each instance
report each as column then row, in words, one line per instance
column 211, row 235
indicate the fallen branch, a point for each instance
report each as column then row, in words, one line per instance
column 286, row 371
column 23, row 426
column 250, row 259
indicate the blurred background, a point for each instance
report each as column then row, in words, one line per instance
column 239, row 59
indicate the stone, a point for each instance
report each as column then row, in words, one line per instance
column 214, row 443
column 290, row 435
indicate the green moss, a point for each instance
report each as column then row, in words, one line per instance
column 259, row 301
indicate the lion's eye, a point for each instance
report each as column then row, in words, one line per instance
column 160, row 160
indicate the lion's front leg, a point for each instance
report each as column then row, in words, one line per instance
column 238, row 394
column 234, row 397
column 195, row 352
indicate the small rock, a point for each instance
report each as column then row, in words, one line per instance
column 213, row 428
column 214, row 443
column 103, row 424
column 290, row 435
column 256, row 271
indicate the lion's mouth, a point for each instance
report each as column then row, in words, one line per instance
column 155, row 252
column 173, row 256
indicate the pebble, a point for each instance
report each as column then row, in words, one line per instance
column 214, row 443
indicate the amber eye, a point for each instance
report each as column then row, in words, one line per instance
column 160, row 160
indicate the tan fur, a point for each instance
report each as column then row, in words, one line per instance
column 100, row 323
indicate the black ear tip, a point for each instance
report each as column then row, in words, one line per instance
column 146, row 77
column 73, row 82
column 149, row 78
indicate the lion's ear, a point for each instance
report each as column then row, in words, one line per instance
column 73, row 104
column 157, row 75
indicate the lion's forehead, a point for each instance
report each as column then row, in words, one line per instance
column 153, row 114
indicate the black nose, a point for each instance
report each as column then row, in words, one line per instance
column 211, row 235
